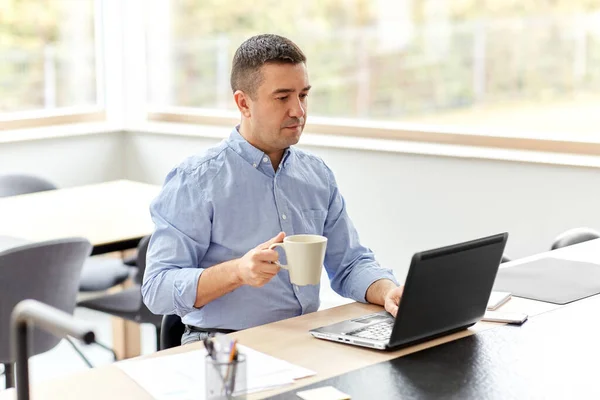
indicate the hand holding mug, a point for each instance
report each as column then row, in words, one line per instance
column 258, row 266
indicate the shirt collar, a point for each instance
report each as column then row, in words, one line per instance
column 250, row 153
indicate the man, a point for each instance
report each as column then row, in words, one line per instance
column 218, row 212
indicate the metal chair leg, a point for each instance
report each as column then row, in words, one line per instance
column 105, row 347
column 83, row 357
column 157, row 338
column 9, row 370
column 89, row 364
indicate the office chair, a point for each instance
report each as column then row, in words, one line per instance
column 574, row 236
column 16, row 184
column 98, row 274
column 131, row 260
column 56, row 266
column 127, row 303
column 171, row 330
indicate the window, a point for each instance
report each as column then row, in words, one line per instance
column 420, row 70
column 520, row 67
column 49, row 57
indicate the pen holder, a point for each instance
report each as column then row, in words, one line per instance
column 225, row 380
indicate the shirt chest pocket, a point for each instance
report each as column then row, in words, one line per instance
column 314, row 221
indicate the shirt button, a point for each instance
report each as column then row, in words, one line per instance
column 254, row 165
column 283, row 216
column 265, row 159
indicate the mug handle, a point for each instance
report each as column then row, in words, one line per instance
column 271, row 247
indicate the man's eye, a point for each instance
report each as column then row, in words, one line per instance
column 282, row 98
column 304, row 95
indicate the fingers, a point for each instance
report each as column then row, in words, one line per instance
column 267, row 255
column 392, row 309
column 263, row 273
column 265, row 269
column 392, row 300
column 276, row 239
column 396, row 293
column 268, row 268
column 396, row 296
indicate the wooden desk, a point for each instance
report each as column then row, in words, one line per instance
column 113, row 216
column 289, row 340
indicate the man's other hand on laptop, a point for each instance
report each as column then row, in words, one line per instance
column 385, row 293
column 392, row 300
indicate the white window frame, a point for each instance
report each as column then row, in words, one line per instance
column 416, row 133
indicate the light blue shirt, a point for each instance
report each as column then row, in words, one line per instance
column 218, row 205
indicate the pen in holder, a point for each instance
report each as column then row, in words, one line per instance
column 225, row 379
column 225, row 369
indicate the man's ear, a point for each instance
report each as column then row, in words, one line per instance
column 243, row 102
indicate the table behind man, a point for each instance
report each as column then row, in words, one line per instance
column 204, row 260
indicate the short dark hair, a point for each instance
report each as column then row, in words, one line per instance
column 257, row 51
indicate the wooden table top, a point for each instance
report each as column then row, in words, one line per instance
column 288, row 340
column 104, row 213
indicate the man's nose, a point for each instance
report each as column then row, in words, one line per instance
column 297, row 110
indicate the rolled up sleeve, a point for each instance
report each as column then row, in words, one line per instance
column 351, row 267
column 182, row 219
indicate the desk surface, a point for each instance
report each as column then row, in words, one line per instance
column 111, row 215
column 289, row 340
column 552, row 356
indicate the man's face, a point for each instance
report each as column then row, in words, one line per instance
column 278, row 110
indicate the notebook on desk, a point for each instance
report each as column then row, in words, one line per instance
column 446, row 290
column 497, row 299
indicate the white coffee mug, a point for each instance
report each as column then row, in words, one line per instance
column 305, row 255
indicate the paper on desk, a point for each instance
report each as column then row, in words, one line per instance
column 323, row 393
column 181, row 376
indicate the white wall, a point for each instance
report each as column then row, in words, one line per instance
column 151, row 156
column 67, row 161
column 400, row 203
column 403, row 203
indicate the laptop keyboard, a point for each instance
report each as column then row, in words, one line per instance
column 379, row 331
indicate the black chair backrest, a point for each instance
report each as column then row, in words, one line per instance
column 13, row 185
column 45, row 271
column 143, row 312
column 142, row 249
column 171, row 331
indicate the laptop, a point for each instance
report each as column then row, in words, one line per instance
column 446, row 290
